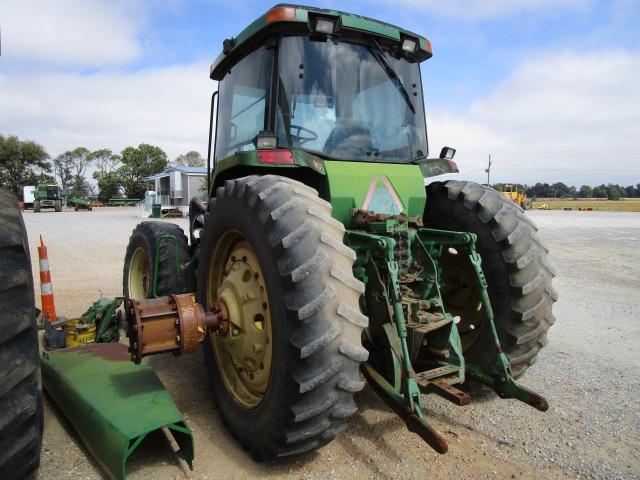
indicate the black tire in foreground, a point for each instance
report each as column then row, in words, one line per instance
column 140, row 261
column 20, row 386
column 314, row 316
column 515, row 265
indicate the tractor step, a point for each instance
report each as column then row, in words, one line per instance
column 446, row 391
column 444, row 371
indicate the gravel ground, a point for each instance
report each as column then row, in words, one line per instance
column 588, row 372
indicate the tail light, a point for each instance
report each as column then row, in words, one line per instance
column 275, row 156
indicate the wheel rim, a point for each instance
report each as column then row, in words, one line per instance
column 243, row 351
column 139, row 280
column 461, row 295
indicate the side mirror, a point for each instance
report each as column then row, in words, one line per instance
column 438, row 166
column 447, row 153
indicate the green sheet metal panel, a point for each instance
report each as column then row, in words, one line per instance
column 349, row 21
column 380, row 187
column 112, row 403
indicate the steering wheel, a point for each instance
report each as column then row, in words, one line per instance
column 299, row 139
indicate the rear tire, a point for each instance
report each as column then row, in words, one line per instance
column 21, row 419
column 315, row 319
column 515, row 265
column 140, row 259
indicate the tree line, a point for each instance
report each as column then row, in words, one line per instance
column 612, row 191
column 25, row 162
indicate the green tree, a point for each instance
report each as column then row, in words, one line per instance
column 105, row 161
column 80, row 159
column 108, row 181
column 189, row 159
column 22, row 163
column 600, row 191
column 585, row 191
column 630, row 191
column 137, row 163
column 108, row 185
column 62, row 170
column 70, row 168
column 613, row 192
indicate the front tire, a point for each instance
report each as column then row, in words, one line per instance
column 516, row 267
column 140, row 261
column 314, row 319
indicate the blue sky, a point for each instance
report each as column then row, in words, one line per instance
column 548, row 87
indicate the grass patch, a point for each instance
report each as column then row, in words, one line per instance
column 598, row 204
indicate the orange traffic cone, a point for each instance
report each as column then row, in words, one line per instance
column 46, row 287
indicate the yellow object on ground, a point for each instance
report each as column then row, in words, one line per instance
column 77, row 333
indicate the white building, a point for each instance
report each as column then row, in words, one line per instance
column 176, row 186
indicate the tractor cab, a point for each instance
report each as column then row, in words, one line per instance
column 51, row 192
column 337, row 86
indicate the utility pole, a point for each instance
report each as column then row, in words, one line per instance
column 488, row 170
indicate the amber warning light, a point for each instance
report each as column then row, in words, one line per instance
column 281, row 14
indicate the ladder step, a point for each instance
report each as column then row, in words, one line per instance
column 437, row 372
column 446, row 391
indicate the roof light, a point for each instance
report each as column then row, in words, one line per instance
column 409, row 45
column 281, row 14
column 275, row 156
column 265, row 141
column 324, row 25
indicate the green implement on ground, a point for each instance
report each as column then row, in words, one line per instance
column 112, row 404
column 123, row 202
column 80, row 203
column 325, row 255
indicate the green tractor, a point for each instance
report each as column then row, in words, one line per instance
column 47, row 196
column 321, row 261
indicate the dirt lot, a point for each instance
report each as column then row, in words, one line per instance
column 589, row 373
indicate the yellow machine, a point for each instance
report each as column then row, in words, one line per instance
column 516, row 193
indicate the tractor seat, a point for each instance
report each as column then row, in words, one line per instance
column 348, row 141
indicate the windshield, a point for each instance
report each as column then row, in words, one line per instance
column 52, row 192
column 340, row 100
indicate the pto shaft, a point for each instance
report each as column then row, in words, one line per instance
column 175, row 324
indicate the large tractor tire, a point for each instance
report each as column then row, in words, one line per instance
column 20, row 386
column 140, row 261
column 515, row 265
column 285, row 372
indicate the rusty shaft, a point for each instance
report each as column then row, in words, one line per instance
column 175, row 324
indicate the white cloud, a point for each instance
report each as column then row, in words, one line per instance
column 168, row 107
column 83, row 33
column 489, row 9
column 568, row 116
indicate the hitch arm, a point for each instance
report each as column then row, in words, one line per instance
column 501, row 381
column 396, row 402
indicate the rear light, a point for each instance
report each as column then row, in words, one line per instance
column 275, row 156
column 427, row 46
column 281, row 14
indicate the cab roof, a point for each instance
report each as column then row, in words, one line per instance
column 289, row 18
